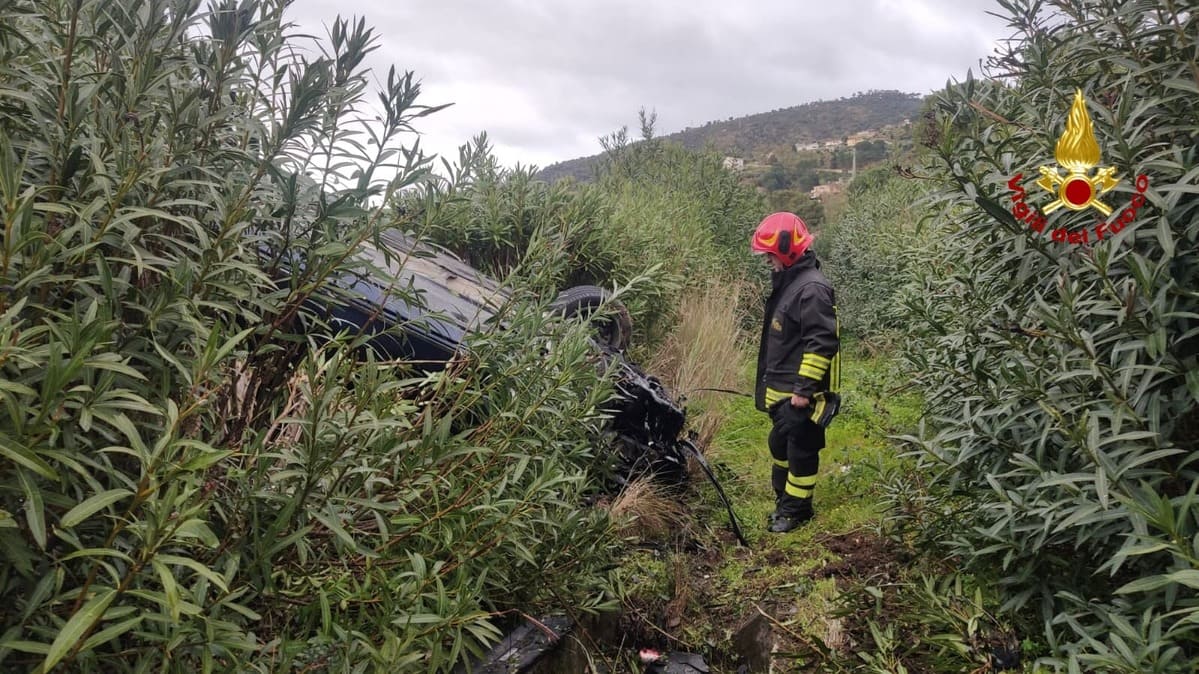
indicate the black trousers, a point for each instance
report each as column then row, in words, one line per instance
column 795, row 442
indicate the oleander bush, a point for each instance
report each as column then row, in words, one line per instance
column 1062, row 378
column 197, row 473
column 871, row 251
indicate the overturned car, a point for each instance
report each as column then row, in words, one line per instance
column 422, row 305
column 446, row 300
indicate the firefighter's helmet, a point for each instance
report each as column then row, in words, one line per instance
column 783, row 235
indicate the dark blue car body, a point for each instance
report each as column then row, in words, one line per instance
column 455, row 299
column 420, row 304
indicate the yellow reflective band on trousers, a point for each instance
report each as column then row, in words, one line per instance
column 781, row 464
column 800, row 487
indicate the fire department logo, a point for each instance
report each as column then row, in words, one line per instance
column 1078, row 152
column 1080, row 187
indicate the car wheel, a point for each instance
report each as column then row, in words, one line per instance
column 613, row 329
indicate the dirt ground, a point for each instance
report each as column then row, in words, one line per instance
column 741, row 625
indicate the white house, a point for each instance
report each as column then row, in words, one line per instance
column 821, row 191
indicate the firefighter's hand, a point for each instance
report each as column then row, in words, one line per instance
column 799, row 401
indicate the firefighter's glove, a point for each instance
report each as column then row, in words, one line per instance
column 824, row 407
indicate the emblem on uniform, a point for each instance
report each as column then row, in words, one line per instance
column 776, row 324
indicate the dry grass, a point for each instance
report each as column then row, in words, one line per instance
column 643, row 510
column 706, row 350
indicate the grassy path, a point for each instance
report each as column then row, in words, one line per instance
column 857, row 448
column 720, row 598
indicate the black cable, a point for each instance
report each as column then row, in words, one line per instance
column 703, row 463
column 721, row 390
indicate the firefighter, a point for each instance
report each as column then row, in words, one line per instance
column 798, row 365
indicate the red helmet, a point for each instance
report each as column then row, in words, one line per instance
column 784, row 235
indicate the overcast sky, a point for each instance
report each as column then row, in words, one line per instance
column 547, row 78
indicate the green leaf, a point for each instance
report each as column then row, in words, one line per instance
column 98, row 552
column 169, row 587
column 231, row 344
column 17, row 388
column 242, row 610
column 1183, row 84
column 35, row 647
column 119, row 367
column 129, row 430
column 1187, row 577
column 207, row 458
column 199, row 530
column 87, row 508
column 109, row 633
column 82, row 621
column 35, row 511
column 196, row 566
column 24, row 457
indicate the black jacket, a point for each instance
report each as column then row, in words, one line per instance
column 799, row 344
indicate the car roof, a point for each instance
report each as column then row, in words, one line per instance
column 447, row 286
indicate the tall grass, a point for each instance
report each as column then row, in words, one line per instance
column 647, row 511
column 707, row 349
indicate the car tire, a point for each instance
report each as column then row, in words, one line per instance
column 613, row 329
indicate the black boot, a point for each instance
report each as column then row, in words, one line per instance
column 774, row 514
column 790, row 515
column 778, row 481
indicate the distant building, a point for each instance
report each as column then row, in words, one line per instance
column 814, row 145
column 734, row 163
column 822, row 191
column 859, row 137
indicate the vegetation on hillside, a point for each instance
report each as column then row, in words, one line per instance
column 777, row 131
column 1047, row 503
column 871, row 252
column 198, row 474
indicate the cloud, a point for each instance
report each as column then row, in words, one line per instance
column 546, row 79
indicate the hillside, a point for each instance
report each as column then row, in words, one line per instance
column 760, row 134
